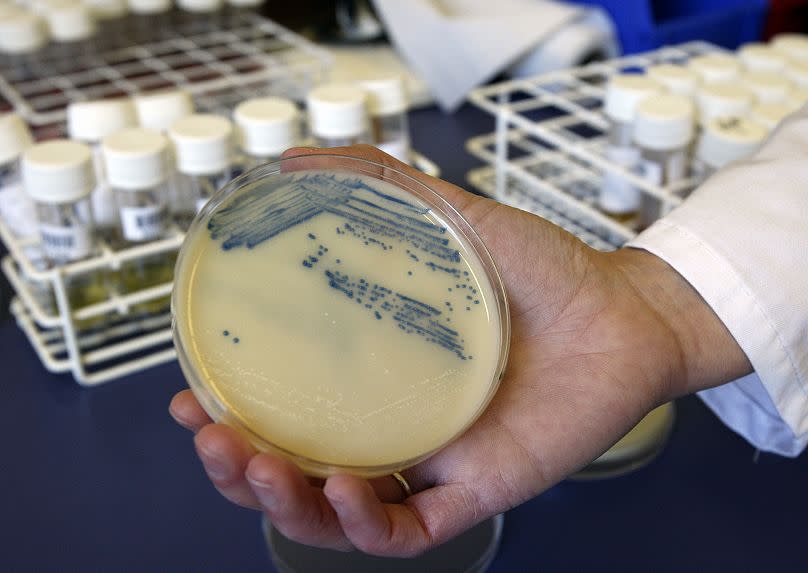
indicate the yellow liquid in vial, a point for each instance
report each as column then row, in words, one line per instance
column 361, row 333
column 147, row 272
column 85, row 290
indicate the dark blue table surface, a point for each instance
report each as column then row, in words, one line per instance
column 102, row 480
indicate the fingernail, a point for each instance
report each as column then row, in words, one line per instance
column 265, row 493
column 217, row 468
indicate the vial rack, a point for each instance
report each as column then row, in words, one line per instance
column 215, row 60
column 123, row 345
column 547, row 154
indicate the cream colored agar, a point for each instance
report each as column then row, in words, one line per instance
column 313, row 371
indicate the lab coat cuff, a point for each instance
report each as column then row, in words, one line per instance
column 735, row 304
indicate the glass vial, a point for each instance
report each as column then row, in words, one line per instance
column 90, row 122
column 135, row 161
column 22, row 35
column 112, row 22
column 72, row 29
column 675, row 79
column 199, row 16
column 204, row 152
column 724, row 140
column 237, row 12
column 722, row 100
column 663, row 130
column 792, row 46
column 715, row 68
column 767, row 87
column 15, row 205
column 387, row 105
column 157, row 111
column 151, row 20
column 760, row 57
column 618, row 198
column 769, row 115
column 58, row 176
column 338, row 115
column 17, row 208
column 797, row 73
column 265, row 128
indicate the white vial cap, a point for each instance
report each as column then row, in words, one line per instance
column 22, row 32
column 14, row 137
column 245, row 3
column 797, row 97
column 160, row 110
column 767, row 87
column 664, row 122
column 797, row 72
column 149, row 6
column 337, row 110
column 769, row 115
column 200, row 6
column 728, row 139
column 202, row 143
column 759, row 57
column 58, row 171
column 715, row 68
column 107, row 9
column 10, row 10
column 135, row 158
column 675, row 79
column 386, row 96
column 70, row 21
column 723, row 100
column 91, row 121
column 794, row 46
column 267, row 126
column 625, row 91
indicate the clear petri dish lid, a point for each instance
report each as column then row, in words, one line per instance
column 339, row 312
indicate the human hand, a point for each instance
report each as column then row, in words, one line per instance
column 598, row 340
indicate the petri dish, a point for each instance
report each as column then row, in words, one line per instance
column 472, row 551
column 339, row 312
column 638, row 448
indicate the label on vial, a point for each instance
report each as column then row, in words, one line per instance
column 652, row 172
column 66, row 243
column 398, row 148
column 143, row 223
column 677, row 166
column 617, row 195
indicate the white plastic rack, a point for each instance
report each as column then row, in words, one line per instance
column 125, row 342
column 216, row 60
column 548, row 153
column 221, row 61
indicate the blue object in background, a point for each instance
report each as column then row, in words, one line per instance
column 644, row 25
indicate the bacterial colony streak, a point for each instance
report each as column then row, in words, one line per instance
column 376, row 219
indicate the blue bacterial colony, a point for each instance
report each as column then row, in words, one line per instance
column 376, row 219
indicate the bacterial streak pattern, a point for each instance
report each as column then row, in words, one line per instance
column 376, row 219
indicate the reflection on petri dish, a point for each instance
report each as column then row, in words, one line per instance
column 639, row 447
column 339, row 312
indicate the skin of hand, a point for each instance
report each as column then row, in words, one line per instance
column 598, row 340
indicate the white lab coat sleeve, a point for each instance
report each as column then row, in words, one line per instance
column 741, row 240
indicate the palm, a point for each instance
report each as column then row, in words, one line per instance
column 556, row 407
column 578, row 378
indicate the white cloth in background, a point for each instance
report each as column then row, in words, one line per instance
column 456, row 45
column 741, row 240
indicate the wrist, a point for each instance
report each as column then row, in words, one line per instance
column 702, row 353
